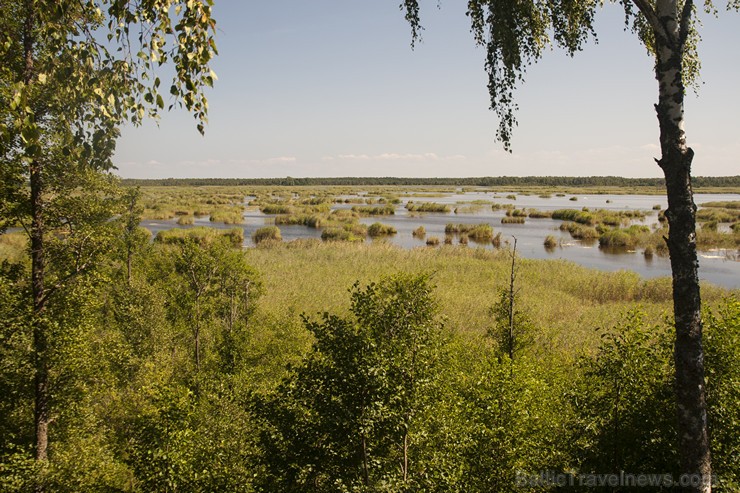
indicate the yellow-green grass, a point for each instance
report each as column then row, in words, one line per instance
column 13, row 246
column 427, row 207
column 267, row 233
column 200, row 234
column 568, row 301
column 385, row 210
column 378, row 229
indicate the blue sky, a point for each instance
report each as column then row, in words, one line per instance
column 333, row 88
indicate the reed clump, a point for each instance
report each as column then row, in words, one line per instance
column 277, row 209
column 433, row 241
column 376, row 230
column 386, row 210
column 185, row 220
column 340, row 234
column 419, row 232
column 512, row 220
column 580, row 231
column 550, row 241
column 228, row 216
column 538, row 214
column 267, row 233
column 427, row 207
column 201, row 235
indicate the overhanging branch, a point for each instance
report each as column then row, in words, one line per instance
column 647, row 10
column 685, row 26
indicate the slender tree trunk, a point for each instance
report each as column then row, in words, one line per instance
column 365, row 459
column 676, row 158
column 406, row 456
column 196, row 334
column 511, row 304
column 38, row 263
column 129, row 258
column 40, row 343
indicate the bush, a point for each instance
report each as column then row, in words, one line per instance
column 362, row 388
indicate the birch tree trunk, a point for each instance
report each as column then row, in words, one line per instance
column 675, row 161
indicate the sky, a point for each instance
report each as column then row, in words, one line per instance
column 333, row 88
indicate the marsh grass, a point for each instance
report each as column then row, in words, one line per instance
column 386, row 210
column 267, row 233
column 580, row 231
column 432, row 241
column 720, row 215
column 231, row 215
column 569, row 301
column 468, row 209
column 277, row 209
column 516, row 213
column 341, row 234
column 185, row 220
column 726, row 204
column 512, row 220
column 538, row 214
column 427, row 207
column 201, row 234
column 419, row 232
column 550, row 241
column 14, row 246
column 376, row 230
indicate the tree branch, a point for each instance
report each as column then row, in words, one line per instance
column 685, row 26
column 652, row 17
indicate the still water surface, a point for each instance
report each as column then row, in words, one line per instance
column 720, row 267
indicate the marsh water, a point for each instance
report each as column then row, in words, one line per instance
column 721, row 267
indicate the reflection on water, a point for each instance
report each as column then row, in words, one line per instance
column 719, row 267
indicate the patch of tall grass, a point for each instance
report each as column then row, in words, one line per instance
column 569, row 300
column 201, row 235
column 419, row 232
column 580, row 231
column 427, row 207
column 267, row 233
column 340, row 234
column 512, row 220
column 233, row 215
column 378, row 229
column 13, row 246
column 386, row 210
column 185, row 220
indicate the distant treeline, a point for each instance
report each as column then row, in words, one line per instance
column 488, row 181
